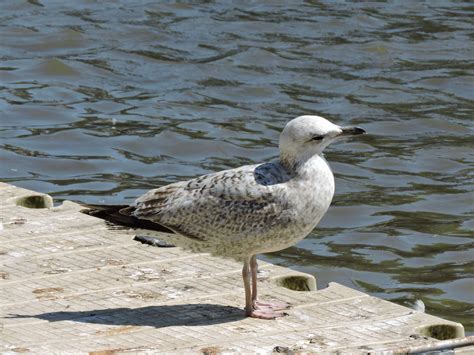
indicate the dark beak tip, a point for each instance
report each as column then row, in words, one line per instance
column 352, row 131
column 358, row 130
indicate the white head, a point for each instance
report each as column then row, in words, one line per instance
column 306, row 136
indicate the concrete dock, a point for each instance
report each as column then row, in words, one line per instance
column 68, row 284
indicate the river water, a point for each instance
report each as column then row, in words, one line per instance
column 100, row 101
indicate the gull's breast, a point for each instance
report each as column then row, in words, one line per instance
column 308, row 198
column 314, row 192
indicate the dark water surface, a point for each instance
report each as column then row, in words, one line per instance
column 100, row 101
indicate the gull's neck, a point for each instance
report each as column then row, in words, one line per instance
column 303, row 165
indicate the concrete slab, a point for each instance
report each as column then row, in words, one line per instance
column 68, row 284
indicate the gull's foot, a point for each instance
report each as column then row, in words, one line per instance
column 266, row 310
column 264, row 313
column 274, row 305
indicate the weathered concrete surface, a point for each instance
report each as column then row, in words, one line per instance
column 67, row 284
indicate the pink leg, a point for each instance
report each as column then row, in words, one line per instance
column 254, row 308
column 248, row 292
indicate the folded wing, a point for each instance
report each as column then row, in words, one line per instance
column 230, row 202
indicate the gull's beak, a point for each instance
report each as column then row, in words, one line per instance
column 351, row 131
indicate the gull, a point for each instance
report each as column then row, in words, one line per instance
column 249, row 210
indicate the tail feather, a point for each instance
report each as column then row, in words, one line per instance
column 122, row 216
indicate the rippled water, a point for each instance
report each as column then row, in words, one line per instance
column 100, row 101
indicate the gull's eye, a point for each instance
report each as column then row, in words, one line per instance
column 316, row 138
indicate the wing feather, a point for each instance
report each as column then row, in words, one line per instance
column 228, row 202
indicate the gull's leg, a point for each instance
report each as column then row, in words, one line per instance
column 248, row 292
column 253, row 308
column 253, row 270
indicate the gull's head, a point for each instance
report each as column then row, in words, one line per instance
column 306, row 136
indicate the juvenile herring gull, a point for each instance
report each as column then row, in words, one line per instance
column 242, row 212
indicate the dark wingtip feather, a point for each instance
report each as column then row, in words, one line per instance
column 122, row 215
